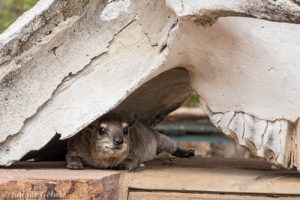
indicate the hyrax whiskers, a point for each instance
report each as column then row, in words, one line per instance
column 113, row 142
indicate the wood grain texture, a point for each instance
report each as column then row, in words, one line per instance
column 215, row 176
column 51, row 180
column 164, row 179
column 185, row 196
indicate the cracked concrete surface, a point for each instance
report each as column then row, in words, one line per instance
column 66, row 63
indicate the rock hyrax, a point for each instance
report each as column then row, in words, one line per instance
column 113, row 142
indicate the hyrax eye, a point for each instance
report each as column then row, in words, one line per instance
column 102, row 131
column 125, row 130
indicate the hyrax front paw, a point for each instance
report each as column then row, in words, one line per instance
column 127, row 165
column 184, row 153
column 75, row 165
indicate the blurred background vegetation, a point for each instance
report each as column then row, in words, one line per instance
column 192, row 100
column 10, row 10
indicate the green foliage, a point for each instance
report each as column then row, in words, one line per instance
column 192, row 100
column 10, row 10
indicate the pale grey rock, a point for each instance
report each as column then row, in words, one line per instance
column 64, row 63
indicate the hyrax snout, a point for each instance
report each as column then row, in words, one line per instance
column 114, row 142
column 113, row 135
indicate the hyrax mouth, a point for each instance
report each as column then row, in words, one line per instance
column 113, row 148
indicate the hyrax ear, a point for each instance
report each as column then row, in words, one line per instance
column 132, row 120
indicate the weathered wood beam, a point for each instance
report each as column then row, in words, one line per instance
column 241, row 178
column 244, row 178
column 51, row 180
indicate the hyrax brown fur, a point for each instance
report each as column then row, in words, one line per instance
column 114, row 142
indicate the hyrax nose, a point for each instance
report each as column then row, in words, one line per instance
column 118, row 140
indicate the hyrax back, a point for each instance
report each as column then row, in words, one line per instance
column 113, row 142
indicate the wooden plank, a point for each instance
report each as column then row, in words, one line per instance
column 186, row 113
column 52, row 180
column 218, row 176
column 187, row 196
column 50, row 171
column 200, row 162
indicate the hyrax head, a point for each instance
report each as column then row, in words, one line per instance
column 113, row 134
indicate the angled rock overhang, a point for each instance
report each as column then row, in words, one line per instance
column 66, row 63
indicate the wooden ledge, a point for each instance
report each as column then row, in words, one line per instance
column 50, row 171
column 51, row 180
column 169, row 179
column 187, row 178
